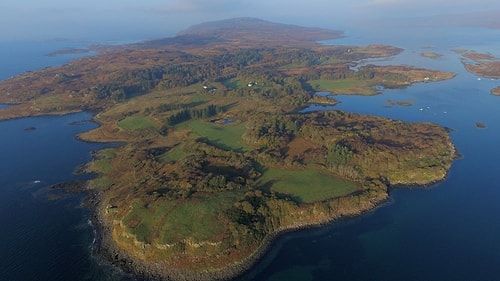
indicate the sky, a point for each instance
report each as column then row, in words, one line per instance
column 148, row 19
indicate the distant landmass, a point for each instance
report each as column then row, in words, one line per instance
column 256, row 29
column 68, row 51
column 218, row 154
column 248, row 30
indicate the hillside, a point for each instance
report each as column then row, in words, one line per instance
column 252, row 29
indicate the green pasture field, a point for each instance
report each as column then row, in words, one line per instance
column 142, row 219
column 136, row 123
column 306, row 186
column 343, row 86
column 198, row 217
column 225, row 137
column 175, row 154
column 102, row 165
column 235, row 84
column 172, row 221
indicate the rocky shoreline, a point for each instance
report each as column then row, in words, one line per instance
column 107, row 252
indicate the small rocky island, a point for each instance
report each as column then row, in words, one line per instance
column 68, row 51
column 480, row 125
column 188, row 196
column 431, row 55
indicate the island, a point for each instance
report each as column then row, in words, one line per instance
column 431, row 55
column 217, row 155
column 393, row 103
column 480, row 125
column 482, row 64
column 68, row 51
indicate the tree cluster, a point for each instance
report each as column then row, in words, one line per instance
column 188, row 114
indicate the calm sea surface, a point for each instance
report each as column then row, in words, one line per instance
column 450, row 231
column 45, row 233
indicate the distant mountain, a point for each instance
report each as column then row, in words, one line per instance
column 246, row 32
column 257, row 29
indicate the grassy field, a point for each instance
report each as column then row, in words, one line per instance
column 235, row 84
column 198, row 98
column 141, row 220
column 175, row 154
column 344, row 86
column 135, row 123
column 197, row 218
column 225, row 137
column 306, row 186
column 102, row 166
column 172, row 221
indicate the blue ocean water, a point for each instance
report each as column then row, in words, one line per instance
column 45, row 233
column 21, row 56
column 449, row 231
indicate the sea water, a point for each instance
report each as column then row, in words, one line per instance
column 45, row 234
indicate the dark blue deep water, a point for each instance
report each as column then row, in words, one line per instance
column 449, row 231
column 45, row 234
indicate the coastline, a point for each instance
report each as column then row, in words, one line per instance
column 105, row 249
